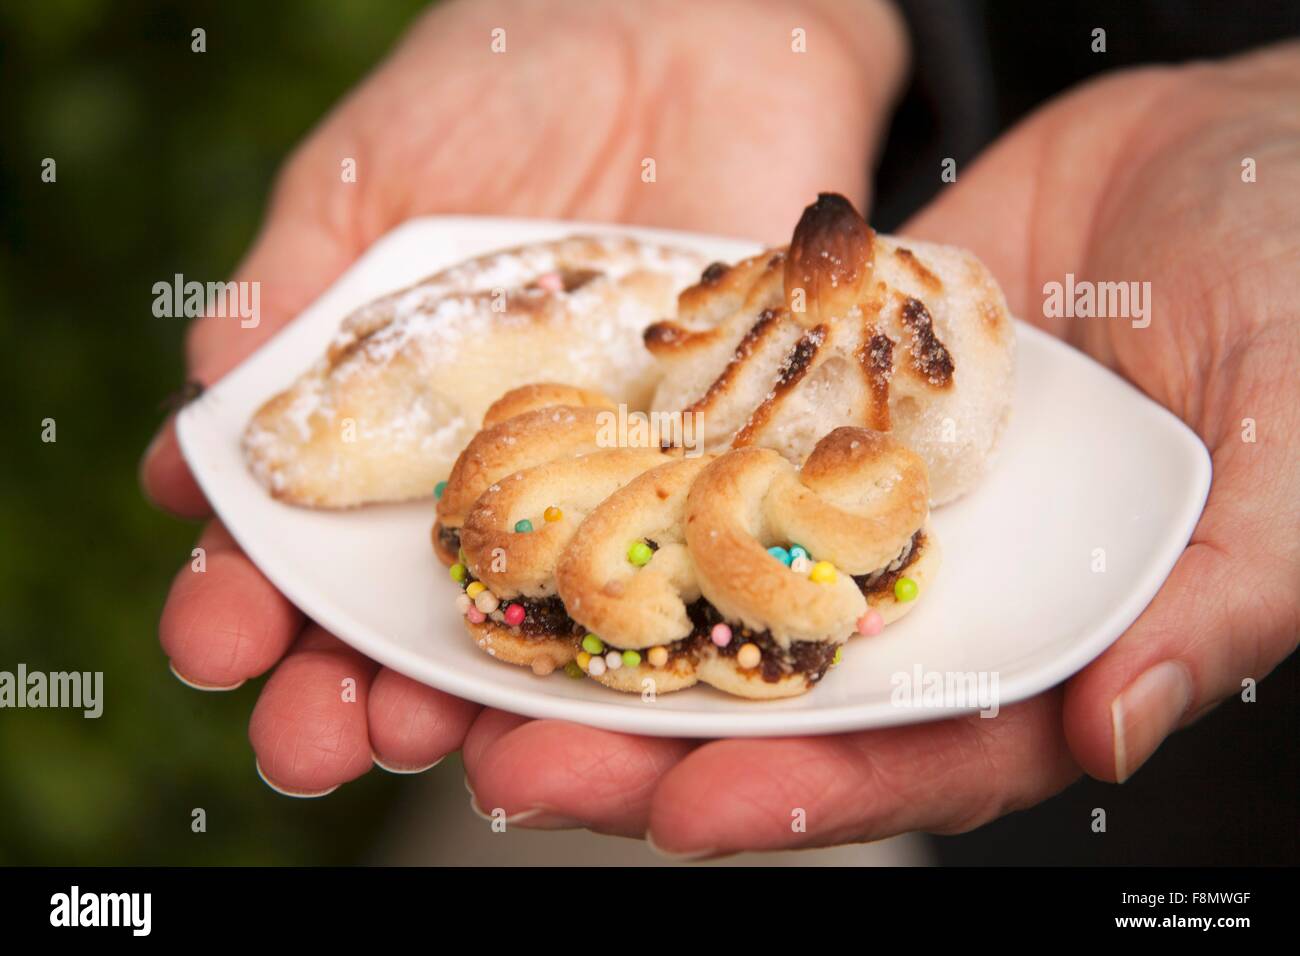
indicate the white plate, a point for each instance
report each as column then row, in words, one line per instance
column 1088, row 463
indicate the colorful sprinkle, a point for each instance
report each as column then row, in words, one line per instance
column 475, row 616
column 658, row 656
column 749, row 656
column 905, row 589
column 460, row 556
column 871, row 623
column 551, row 282
column 552, row 514
column 463, row 603
column 613, row 660
column 487, row 602
column 596, row 666
column 523, row 525
column 781, row 554
column 543, row 665
column 474, row 588
column 439, row 488
column 458, row 573
column 801, row 565
column 839, row 656
column 823, row 572
column 583, row 659
column 721, row 635
column 593, row 644
column 573, row 669
column 633, row 659
column 799, row 551
column 514, row 615
column 640, row 554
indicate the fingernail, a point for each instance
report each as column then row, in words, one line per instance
column 677, row 856
column 297, row 794
column 541, row 818
column 150, row 450
column 1147, row 712
column 199, row 685
column 393, row 768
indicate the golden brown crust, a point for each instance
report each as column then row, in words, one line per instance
column 634, row 607
column 533, row 438
column 509, row 644
column 861, row 331
column 514, row 562
column 528, row 398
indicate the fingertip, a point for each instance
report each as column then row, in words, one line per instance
column 308, row 729
column 413, row 726
column 572, row 775
column 165, row 478
column 225, row 623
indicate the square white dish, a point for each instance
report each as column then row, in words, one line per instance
column 1087, row 463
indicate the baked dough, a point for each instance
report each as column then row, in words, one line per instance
column 542, row 519
column 845, row 327
column 407, row 380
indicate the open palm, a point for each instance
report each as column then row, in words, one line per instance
column 1112, row 183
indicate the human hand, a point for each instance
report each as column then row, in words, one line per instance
column 1134, row 177
column 557, row 126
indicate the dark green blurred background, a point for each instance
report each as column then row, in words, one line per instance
column 164, row 160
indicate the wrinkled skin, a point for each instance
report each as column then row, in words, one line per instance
column 1136, row 176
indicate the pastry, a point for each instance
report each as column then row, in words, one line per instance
column 845, row 327
column 638, row 565
column 406, row 381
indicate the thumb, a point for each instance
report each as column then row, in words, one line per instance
column 293, row 259
column 1227, row 613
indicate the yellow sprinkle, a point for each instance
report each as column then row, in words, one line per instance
column 657, row 656
column 749, row 656
column 583, row 659
column 552, row 513
column 475, row 587
column 823, row 572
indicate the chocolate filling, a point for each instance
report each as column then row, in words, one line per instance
column 449, row 538
column 812, row 659
column 548, row 618
column 882, row 581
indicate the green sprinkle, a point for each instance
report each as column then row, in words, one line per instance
column 523, row 525
column 839, row 656
column 905, row 589
column 458, row 573
column 573, row 670
column 640, row 554
column 799, row 551
column 631, row 659
column 439, row 488
column 593, row 644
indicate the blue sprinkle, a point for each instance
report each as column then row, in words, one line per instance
column 781, row 554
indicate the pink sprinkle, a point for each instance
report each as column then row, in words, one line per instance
column 551, row 282
column 871, row 623
column 721, row 635
column 514, row 615
column 475, row 616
